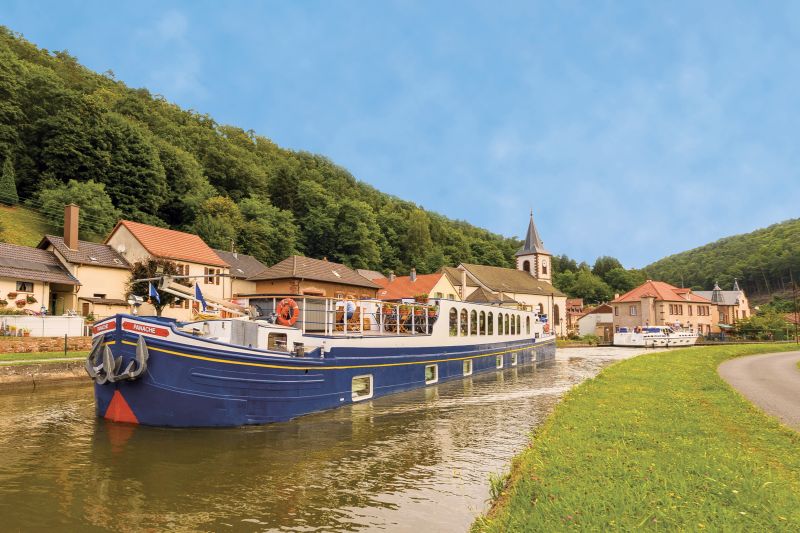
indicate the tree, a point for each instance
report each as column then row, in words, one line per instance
column 267, row 233
column 622, row 280
column 8, row 183
column 153, row 268
column 604, row 264
column 97, row 216
column 563, row 263
column 218, row 222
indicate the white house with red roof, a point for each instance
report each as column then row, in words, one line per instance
column 656, row 303
column 136, row 241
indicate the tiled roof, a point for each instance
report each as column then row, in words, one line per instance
column 574, row 302
column 726, row 297
column 32, row 264
column 104, row 301
column 501, row 279
column 660, row 291
column 403, row 287
column 297, row 266
column 172, row 244
column 88, row 253
column 482, row 296
column 454, row 275
column 243, row 266
column 371, row 275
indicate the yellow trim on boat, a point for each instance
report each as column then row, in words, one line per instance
column 343, row 367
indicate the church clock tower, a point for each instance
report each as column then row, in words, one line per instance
column 532, row 257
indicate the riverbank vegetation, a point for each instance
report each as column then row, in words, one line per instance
column 37, row 357
column 658, row 442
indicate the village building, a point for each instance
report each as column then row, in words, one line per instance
column 138, row 242
column 103, row 273
column 33, row 280
column 575, row 310
column 416, row 286
column 732, row 305
column 371, row 275
column 242, row 267
column 529, row 286
column 597, row 321
column 656, row 303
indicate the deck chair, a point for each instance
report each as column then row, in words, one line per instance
column 339, row 320
column 354, row 324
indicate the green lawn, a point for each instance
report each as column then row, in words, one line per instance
column 22, row 226
column 37, row 356
column 657, row 442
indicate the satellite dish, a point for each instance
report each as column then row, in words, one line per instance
column 121, row 248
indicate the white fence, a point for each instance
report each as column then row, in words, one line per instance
column 42, row 326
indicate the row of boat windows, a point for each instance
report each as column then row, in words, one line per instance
column 483, row 323
column 362, row 387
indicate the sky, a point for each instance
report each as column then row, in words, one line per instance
column 632, row 129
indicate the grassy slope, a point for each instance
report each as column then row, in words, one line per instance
column 656, row 442
column 22, row 226
column 34, row 357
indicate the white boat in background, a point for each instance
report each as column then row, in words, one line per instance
column 653, row 336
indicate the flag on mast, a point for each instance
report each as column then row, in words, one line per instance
column 199, row 296
column 152, row 292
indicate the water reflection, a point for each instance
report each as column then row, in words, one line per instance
column 414, row 461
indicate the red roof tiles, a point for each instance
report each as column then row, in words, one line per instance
column 172, row 244
column 660, row 291
column 403, row 287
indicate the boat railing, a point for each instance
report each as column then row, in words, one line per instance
column 355, row 317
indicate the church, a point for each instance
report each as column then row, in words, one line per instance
column 529, row 285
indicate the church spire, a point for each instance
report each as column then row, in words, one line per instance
column 533, row 243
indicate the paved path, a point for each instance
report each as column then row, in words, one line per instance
column 770, row 381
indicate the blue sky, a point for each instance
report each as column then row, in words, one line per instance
column 634, row 129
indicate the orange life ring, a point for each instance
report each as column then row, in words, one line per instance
column 288, row 312
column 547, row 328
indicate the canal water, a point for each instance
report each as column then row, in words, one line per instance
column 416, row 461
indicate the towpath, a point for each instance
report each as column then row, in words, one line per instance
column 770, row 381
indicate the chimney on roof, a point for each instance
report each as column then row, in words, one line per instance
column 71, row 226
column 391, row 276
column 413, row 275
column 616, row 296
column 463, row 283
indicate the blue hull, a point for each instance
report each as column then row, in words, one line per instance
column 187, row 386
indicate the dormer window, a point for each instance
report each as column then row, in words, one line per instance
column 92, row 259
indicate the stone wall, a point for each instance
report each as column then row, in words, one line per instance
column 43, row 344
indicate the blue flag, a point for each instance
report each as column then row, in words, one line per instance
column 199, row 295
column 152, row 292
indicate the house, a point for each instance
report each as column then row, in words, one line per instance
column 454, row 276
column 597, row 321
column 528, row 286
column 732, row 305
column 371, row 275
column 656, row 303
column 32, row 279
column 575, row 310
column 103, row 273
column 399, row 288
column 242, row 268
column 136, row 242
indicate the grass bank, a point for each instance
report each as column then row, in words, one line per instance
column 22, row 226
column 34, row 357
column 655, row 442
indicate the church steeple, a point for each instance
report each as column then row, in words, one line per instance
column 532, row 257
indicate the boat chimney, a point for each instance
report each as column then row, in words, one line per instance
column 413, row 275
column 71, row 226
column 391, row 276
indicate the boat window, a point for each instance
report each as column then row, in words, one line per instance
column 361, row 387
column 453, row 322
column 468, row 367
column 431, row 374
column 527, row 325
column 519, row 326
column 513, row 359
column 507, row 324
column 490, row 323
column 499, row 361
column 473, row 323
column 482, row 325
column 513, row 325
column 499, row 323
column 464, row 324
column 276, row 341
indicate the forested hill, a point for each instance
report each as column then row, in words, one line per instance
column 70, row 134
column 761, row 260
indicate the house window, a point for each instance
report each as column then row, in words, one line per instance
column 431, row 374
column 451, row 296
column 24, row 286
column 544, row 268
column 439, row 295
column 616, row 310
column 633, row 310
column 490, row 323
column 361, row 387
column 468, row 367
column 473, row 322
column 464, row 329
column 482, row 324
column 699, row 310
column 526, row 266
column 453, row 322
